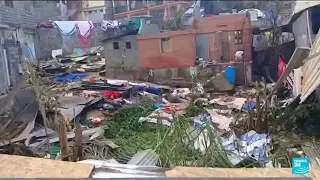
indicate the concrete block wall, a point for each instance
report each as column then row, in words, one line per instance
column 25, row 15
column 228, row 24
column 50, row 39
column 123, row 62
column 180, row 50
column 49, row 10
column 3, row 80
column 14, row 59
column 17, row 17
column 123, row 57
column 46, row 41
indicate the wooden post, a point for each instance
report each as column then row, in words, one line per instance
column 77, row 149
column 63, row 140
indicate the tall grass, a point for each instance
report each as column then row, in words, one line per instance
column 173, row 144
column 175, row 147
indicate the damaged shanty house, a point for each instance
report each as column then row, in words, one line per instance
column 300, row 74
column 225, row 41
column 122, row 60
column 18, row 36
column 65, row 109
column 174, row 52
column 294, row 42
column 165, row 60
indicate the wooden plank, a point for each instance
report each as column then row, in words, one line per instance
column 196, row 172
column 38, row 133
column 28, row 167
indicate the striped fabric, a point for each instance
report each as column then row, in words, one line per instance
column 288, row 82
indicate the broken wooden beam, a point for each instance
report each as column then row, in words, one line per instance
column 63, row 140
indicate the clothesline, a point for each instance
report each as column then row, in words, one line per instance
column 68, row 28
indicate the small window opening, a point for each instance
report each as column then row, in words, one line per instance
column 115, row 45
column 238, row 37
column 27, row 8
column 128, row 45
column 165, row 45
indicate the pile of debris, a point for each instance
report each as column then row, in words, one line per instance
column 72, row 113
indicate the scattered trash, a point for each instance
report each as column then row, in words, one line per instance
column 255, row 145
column 222, row 122
column 75, row 113
column 158, row 116
column 230, row 102
column 181, row 92
column 70, row 77
column 249, row 105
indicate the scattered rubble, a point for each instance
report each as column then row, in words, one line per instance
column 67, row 109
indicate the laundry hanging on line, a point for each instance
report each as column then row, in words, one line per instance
column 84, row 30
column 67, row 28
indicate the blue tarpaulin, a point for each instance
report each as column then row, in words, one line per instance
column 70, row 77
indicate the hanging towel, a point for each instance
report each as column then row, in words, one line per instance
column 85, row 43
column 84, row 28
column 66, row 27
column 69, row 27
column 84, row 32
column 67, row 45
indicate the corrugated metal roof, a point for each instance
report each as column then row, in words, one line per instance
column 299, row 7
column 303, row 5
column 311, row 71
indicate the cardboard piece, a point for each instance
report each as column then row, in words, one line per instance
column 29, row 167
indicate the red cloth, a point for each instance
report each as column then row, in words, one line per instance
column 107, row 93
column 281, row 66
column 171, row 108
column 85, row 40
column 92, row 79
column 85, row 43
